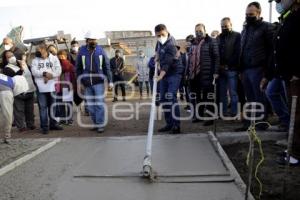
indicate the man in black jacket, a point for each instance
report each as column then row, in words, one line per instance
column 117, row 67
column 256, row 52
column 229, row 45
column 203, row 69
column 287, row 63
column 169, row 78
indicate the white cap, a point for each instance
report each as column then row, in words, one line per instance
column 90, row 35
column 21, row 85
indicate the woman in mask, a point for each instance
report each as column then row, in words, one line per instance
column 24, row 102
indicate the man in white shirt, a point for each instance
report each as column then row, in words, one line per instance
column 46, row 69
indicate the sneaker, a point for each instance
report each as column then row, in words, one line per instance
column 175, row 130
column 124, row 99
column 56, row 128
column 100, row 130
column 165, row 129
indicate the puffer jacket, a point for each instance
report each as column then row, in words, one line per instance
column 257, row 45
column 209, row 61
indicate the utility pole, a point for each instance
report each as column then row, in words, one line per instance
column 271, row 10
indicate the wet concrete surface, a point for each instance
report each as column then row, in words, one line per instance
column 74, row 169
column 18, row 148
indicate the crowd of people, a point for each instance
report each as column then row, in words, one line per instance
column 258, row 65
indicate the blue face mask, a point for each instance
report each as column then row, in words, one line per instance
column 279, row 8
column 284, row 5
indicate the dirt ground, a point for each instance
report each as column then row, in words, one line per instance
column 123, row 127
column 271, row 174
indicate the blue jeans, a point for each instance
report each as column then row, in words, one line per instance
column 45, row 102
column 228, row 82
column 277, row 95
column 95, row 102
column 168, row 96
column 251, row 83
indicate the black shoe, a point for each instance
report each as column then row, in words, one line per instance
column 283, row 161
column 56, row 128
column 32, row 127
column 242, row 129
column 165, row 129
column 208, row 123
column 282, row 153
column 196, row 120
column 5, row 141
column 115, row 99
column 175, row 130
column 45, row 132
column 100, row 130
column 262, row 127
column 282, row 128
column 94, row 129
column 124, row 99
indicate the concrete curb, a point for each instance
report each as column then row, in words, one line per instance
column 28, row 157
column 226, row 138
column 229, row 165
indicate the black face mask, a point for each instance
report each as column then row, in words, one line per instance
column 200, row 35
column 92, row 45
column 226, row 31
column 38, row 54
column 188, row 49
column 251, row 19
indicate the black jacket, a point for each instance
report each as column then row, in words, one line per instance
column 257, row 45
column 209, row 63
column 286, row 55
column 116, row 66
column 230, row 47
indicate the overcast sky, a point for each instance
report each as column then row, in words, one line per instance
column 44, row 18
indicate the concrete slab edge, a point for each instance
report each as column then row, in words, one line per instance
column 28, row 157
column 226, row 138
column 228, row 164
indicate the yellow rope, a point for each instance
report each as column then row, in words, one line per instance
column 254, row 138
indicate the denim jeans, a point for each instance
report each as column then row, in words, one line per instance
column 46, row 101
column 277, row 95
column 168, row 96
column 228, row 82
column 251, row 83
column 95, row 102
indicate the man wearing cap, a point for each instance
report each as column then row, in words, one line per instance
column 93, row 68
column 9, row 87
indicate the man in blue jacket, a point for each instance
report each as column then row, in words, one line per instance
column 92, row 68
column 169, row 78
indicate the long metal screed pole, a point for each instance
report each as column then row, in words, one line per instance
column 147, row 165
column 289, row 146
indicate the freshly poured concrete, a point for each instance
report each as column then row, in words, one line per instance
column 188, row 168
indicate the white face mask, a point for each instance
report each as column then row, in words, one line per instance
column 75, row 49
column 12, row 60
column 163, row 40
column 7, row 47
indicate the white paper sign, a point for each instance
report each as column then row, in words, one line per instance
column 67, row 95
